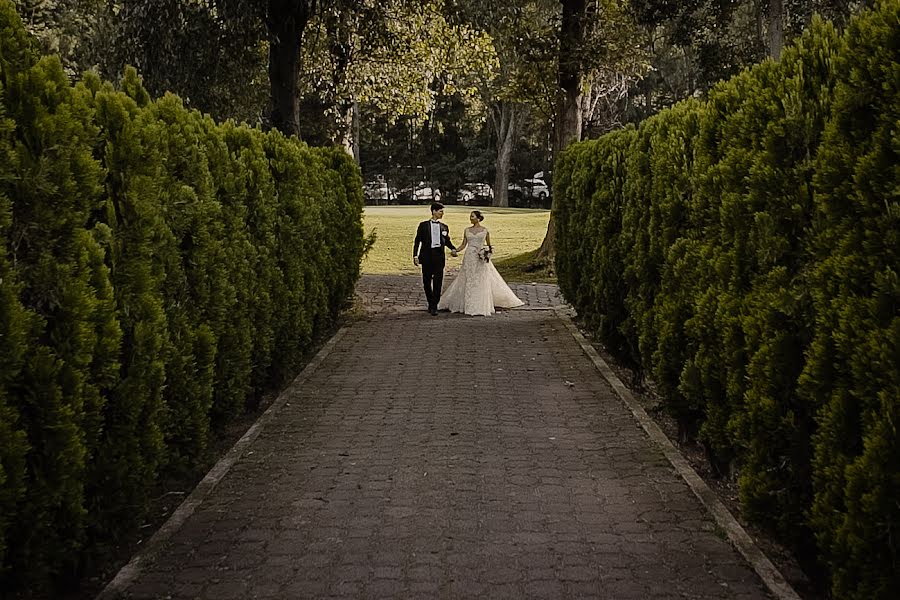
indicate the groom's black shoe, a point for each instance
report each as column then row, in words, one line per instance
column 432, row 310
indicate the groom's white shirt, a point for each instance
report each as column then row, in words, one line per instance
column 435, row 234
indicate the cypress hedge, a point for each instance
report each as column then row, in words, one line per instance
column 743, row 250
column 158, row 273
column 852, row 372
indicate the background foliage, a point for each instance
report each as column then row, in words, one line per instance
column 378, row 76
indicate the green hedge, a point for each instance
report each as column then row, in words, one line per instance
column 852, row 371
column 743, row 250
column 158, row 273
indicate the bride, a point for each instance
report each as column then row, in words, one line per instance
column 478, row 288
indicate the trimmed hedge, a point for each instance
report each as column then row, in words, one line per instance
column 743, row 250
column 158, row 272
column 852, row 371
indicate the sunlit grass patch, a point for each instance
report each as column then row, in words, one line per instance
column 514, row 232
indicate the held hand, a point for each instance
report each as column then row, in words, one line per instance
column 416, row 260
column 454, row 253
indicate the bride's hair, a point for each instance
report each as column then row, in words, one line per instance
column 478, row 215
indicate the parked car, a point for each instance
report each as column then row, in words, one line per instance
column 427, row 194
column 476, row 194
column 421, row 194
column 379, row 192
column 531, row 188
column 531, row 193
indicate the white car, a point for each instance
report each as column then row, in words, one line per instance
column 425, row 194
column 379, row 192
column 476, row 194
column 421, row 194
column 530, row 188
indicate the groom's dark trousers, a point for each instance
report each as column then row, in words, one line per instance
column 432, row 260
column 433, row 276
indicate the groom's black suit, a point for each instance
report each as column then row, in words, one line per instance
column 432, row 260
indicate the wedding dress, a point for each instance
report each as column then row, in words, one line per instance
column 479, row 288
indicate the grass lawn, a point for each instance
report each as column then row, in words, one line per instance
column 515, row 232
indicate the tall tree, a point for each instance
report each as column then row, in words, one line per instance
column 395, row 56
column 695, row 43
column 63, row 27
column 212, row 53
column 775, row 28
column 596, row 40
column 571, row 72
column 507, row 117
column 286, row 20
column 523, row 34
column 570, row 82
column 295, row 65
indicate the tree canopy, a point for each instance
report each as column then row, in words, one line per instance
column 326, row 70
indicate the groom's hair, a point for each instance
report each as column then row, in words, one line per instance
column 436, row 206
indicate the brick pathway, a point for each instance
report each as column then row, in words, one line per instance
column 450, row 457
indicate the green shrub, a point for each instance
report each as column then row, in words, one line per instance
column 131, row 446
column 677, row 235
column 18, row 50
column 758, row 156
column 852, row 371
column 297, row 295
column 158, row 271
column 343, row 227
column 642, row 270
column 609, row 259
column 247, row 193
column 747, row 259
column 62, row 388
column 231, row 315
column 773, row 426
column 595, row 220
column 15, row 325
column 573, row 251
column 198, row 293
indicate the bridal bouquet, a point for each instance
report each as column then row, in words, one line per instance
column 485, row 253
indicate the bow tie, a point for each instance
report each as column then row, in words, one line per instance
column 433, row 221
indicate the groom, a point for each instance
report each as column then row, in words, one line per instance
column 428, row 252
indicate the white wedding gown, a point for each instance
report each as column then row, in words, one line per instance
column 479, row 288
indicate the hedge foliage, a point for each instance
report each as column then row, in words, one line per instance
column 743, row 250
column 158, row 272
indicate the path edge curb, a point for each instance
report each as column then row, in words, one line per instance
column 737, row 535
column 146, row 555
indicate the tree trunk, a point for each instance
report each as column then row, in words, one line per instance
column 338, row 28
column 505, row 123
column 286, row 20
column 346, row 134
column 356, row 131
column 567, row 128
column 570, row 75
column 501, row 179
column 760, row 13
column 776, row 28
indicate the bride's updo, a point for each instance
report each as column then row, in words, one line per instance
column 478, row 215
